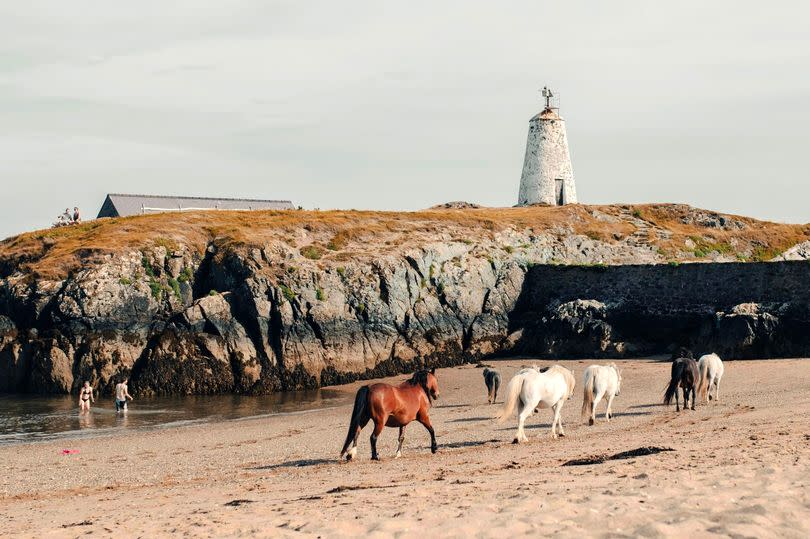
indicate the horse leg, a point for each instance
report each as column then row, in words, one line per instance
column 360, row 426
column 558, row 416
column 424, row 419
column 694, row 396
column 523, row 413
column 378, row 427
column 609, row 410
column 401, row 441
column 677, row 405
column 554, row 420
column 596, row 399
column 717, row 390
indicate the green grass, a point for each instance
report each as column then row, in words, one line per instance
column 313, row 252
column 288, row 293
column 763, row 254
column 186, row 275
column 704, row 247
column 156, row 288
column 320, row 295
column 175, row 286
column 147, row 267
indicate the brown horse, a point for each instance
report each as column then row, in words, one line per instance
column 392, row 406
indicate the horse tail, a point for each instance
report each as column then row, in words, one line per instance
column 587, row 396
column 703, row 386
column 512, row 396
column 360, row 405
column 677, row 370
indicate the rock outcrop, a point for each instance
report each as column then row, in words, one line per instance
column 327, row 300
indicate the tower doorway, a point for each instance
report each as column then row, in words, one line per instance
column 559, row 191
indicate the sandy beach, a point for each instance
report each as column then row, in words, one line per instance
column 738, row 468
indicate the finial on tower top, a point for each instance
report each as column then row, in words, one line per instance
column 548, row 95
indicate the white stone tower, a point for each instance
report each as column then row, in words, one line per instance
column 548, row 177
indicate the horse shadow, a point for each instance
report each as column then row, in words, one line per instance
column 651, row 405
column 630, row 414
column 453, row 405
column 470, row 419
column 532, row 426
column 472, row 443
column 294, row 464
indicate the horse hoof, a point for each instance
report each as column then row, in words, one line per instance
column 397, row 455
column 375, row 457
column 562, row 435
column 516, row 441
column 434, row 449
column 590, row 422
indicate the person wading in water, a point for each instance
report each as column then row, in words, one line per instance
column 86, row 397
column 121, row 395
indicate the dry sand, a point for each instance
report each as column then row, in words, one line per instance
column 740, row 468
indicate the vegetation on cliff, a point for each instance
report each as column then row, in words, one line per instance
column 674, row 232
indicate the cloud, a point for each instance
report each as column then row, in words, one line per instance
column 400, row 105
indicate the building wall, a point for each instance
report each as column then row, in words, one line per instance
column 547, row 159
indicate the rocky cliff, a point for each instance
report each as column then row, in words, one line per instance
column 254, row 302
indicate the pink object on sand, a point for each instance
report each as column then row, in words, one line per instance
column 69, row 451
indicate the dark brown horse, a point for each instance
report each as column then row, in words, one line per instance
column 686, row 374
column 392, row 406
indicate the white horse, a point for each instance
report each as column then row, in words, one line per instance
column 599, row 382
column 711, row 371
column 532, row 388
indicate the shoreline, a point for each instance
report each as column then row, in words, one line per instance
column 739, row 466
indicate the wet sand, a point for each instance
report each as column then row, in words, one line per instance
column 739, row 467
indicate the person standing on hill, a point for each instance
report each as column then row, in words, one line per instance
column 121, row 396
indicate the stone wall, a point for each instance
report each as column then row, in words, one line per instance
column 737, row 309
column 672, row 286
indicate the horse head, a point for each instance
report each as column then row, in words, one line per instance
column 427, row 381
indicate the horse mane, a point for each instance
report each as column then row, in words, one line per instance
column 420, row 378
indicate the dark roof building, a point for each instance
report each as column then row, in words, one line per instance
column 118, row 205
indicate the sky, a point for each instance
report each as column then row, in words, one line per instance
column 401, row 105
